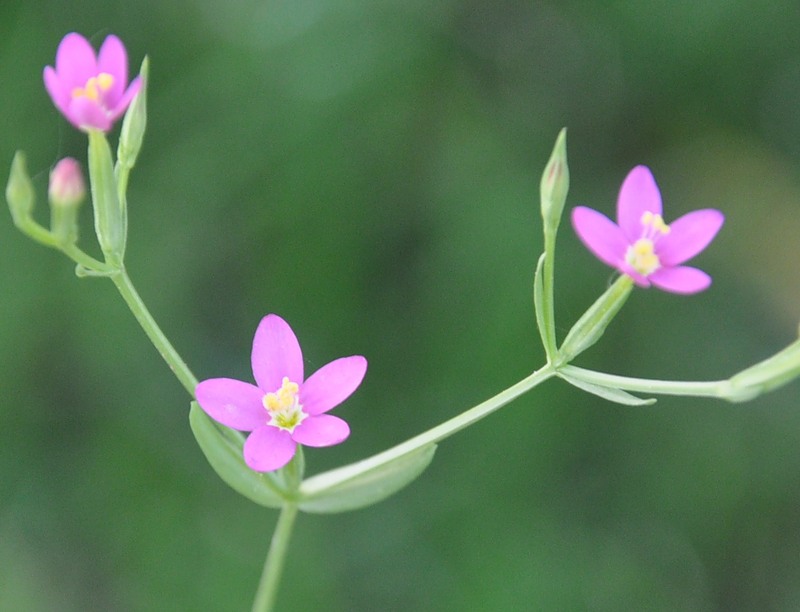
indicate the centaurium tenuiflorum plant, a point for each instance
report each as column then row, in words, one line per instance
column 285, row 411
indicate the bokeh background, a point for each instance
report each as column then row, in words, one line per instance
column 369, row 170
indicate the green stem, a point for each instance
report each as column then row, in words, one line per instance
column 273, row 566
column 714, row 388
column 153, row 331
column 548, row 299
column 476, row 413
column 435, row 434
column 87, row 261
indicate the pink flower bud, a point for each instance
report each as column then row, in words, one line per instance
column 67, row 187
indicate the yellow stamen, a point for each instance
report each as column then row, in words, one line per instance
column 642, row 258
column 656, row 222
column 94, row 87
column 284, row 406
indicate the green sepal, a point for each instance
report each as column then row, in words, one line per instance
column 64, row 223
column 108, row 219
column 222, row 447
column 547, row 331
column 359, row 484
column 611, row 394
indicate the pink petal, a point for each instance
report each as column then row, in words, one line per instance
column 113, row 59
column 85, row 114
column 123, row 103
column 233, row 403
column 60, row 95
column 276, row 353
column 682, row 279
column 322, row 430
column 639, row 279
column 600, row 235
column 75, row 61
column 268, row 448
column 639, row 194
column 689, row 235
column 332, row 384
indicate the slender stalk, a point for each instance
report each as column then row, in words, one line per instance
column 273, row 566
column 435, row 434
column 87, row 261
column 715, row 388
column 153, row 331
column 476, row 413
column 548, row 300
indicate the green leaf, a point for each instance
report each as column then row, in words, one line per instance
column 546, row 325
column 363, row 483
column 592, row 324
column 611, row 394
column 223, row 449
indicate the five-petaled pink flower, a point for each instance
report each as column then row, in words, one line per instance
column 90, row 90
column 641, row 245
column 283, row 410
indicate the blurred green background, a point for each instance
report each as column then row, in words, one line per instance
column 369, row 170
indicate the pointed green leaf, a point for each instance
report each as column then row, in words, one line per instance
column 608, row 393
column 223, row 449
column 592, row 324
column 546, row 326
column 361, row 484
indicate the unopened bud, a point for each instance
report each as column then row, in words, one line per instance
column 67, row 187
column 66, row 192
column 555, row 184
column 19, row 191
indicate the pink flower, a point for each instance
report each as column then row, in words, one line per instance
column 90, row 91
column 283, row 410
column 641, row 245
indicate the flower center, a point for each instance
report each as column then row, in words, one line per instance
column 284, row 407
column 95, row 87
column 641, row 255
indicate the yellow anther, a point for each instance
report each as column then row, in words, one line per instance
column 105, row 81
column 655, row 221
column 284, row 398
column 93, row 87
column 642, row 258
column 284, row 406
